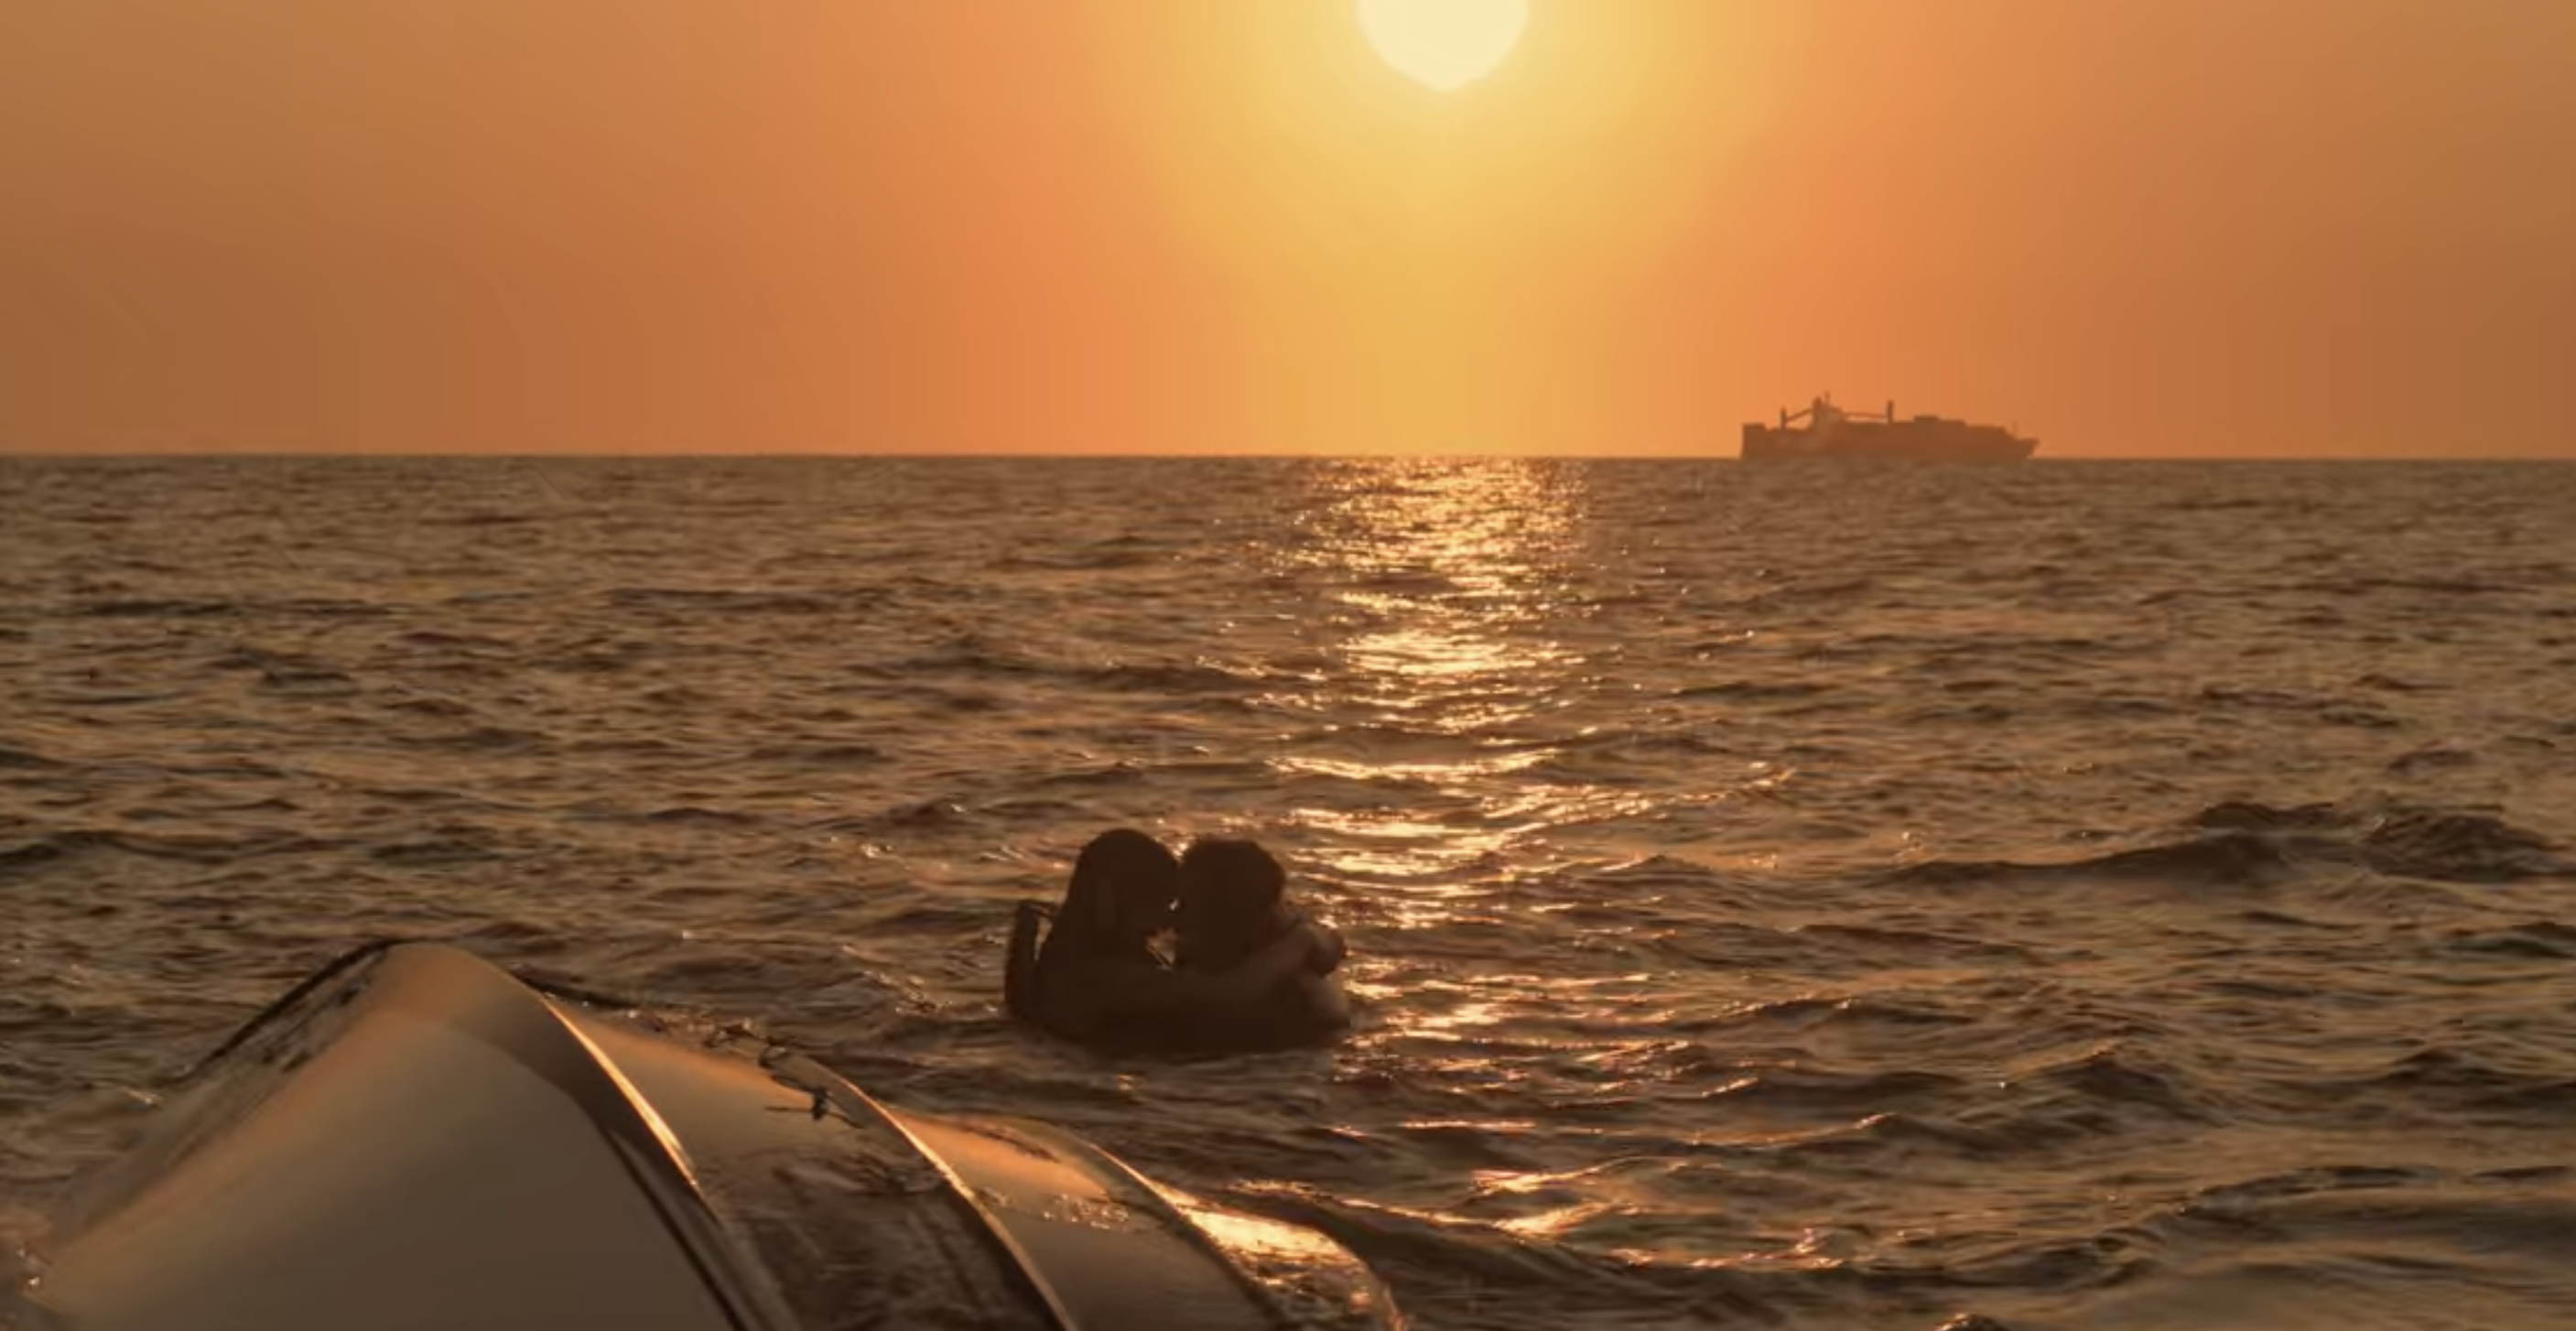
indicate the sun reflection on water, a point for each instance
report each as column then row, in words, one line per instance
column 1448, row 583
column 1455, row 724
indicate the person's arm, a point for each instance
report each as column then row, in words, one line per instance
column 1327, row 1008
column 1328, row 957
column 1020, row 964
column 1149, row 1003
column 1300, row 947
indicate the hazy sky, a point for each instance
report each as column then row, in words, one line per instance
column 2267, row 227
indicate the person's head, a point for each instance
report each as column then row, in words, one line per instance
column 1231, row 899
column 1122, row 889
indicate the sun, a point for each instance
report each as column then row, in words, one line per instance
column 1444, row 45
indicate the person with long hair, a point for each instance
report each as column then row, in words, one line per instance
column 1233, row 903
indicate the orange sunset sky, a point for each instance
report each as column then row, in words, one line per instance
column 2249, row 227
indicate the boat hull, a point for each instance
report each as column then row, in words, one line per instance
column 415, row 1140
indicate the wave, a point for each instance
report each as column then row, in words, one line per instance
column 823, row 754
column 200, row 848
column 28, row 760
column 1196, row 677
column 2458, row 847
column 454, row 847
column 1482, row 1274
column 2431, row 758
column 436, row 638
column 2248, row 816
column 971, row 654
column 1748, row 690
column 698, row 815
column 2119, row 1078
column 438, row 706
column 2458, row 1082
column 153, row 608
column 1815, row 1089
column 2541, row 940
column 2241, row 843
column 1816, row 1012
column 2517, row 1215
column 1108, row 556
column 1883, row 941
column 741, row 601
column 2229, row 858
column 2363, row 586
column 482, row 739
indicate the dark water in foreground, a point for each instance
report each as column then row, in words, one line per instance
column 2090, row 895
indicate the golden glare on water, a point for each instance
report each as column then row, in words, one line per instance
column 1444, row 45
column 1463, row 714
column 1451, row 581
column 1455, row 572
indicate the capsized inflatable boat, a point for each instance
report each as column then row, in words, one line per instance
column 414, row 1140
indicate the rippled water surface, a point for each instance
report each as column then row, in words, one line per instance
column 2086, row 895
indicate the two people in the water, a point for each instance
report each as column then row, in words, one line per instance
column 1247, row 971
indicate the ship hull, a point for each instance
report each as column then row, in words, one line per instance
column 1921, row 440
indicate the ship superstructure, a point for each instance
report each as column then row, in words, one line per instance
column 1824, row 430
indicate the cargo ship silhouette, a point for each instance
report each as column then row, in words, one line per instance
column 1824, row 430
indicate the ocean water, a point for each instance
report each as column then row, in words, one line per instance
column 2080, row 895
